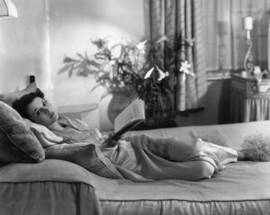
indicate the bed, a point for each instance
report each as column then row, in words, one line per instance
column 61, row 187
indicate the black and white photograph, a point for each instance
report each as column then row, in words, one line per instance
column 134, row 107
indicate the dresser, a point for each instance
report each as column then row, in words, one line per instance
column 249, row 99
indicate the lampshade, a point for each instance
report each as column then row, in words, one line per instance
column 7, row 9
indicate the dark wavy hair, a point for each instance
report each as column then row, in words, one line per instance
column 21, row 104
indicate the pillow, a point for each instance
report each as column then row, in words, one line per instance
column 11, row 97
column 17, row 142
column 256, row 148
column 86, row 155
column 45, row 136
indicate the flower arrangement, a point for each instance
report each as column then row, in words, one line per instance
column 131, row 69
column 127, row 67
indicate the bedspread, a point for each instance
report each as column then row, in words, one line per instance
column 242, row 188
column 51, row 187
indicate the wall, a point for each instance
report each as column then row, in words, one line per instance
column 73, row 24
column 47, row 30
column 23, row 44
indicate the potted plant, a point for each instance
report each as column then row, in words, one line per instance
column 128, row 70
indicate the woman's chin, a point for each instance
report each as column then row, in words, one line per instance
column 52, row 120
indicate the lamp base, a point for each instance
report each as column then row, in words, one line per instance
column 249, row 60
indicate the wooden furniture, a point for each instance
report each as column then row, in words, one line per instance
column 250, row 99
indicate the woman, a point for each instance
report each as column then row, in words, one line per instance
column 139, row 157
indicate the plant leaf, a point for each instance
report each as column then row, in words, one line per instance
column 80, row 56
column 70, row 71
column 64, row 69
column 94, row 87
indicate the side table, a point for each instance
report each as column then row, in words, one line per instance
column 249, row 99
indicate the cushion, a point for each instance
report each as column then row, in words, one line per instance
column 86, row 155
column 256, row 147
column 17, row 142
column 45, row 136
column 11, row 97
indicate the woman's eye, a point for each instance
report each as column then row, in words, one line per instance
column 38, row 112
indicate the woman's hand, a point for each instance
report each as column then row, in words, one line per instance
column 105, row 136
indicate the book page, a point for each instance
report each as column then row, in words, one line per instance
column 130, row 117
column 134, row 112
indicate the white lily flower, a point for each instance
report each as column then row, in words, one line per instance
column 162, row 38
column 162, row 74
column 141, row 45
column 149, row 73
column 116, row 51
column 185, row 68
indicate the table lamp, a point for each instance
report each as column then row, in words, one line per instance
column 248, row 60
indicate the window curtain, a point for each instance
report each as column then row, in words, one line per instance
column 226, row 37
column 181, row 21
column 212, row 38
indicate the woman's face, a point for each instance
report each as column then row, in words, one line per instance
column 42, row 112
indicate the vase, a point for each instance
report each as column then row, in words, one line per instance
column 159, row 111
column 119, row 102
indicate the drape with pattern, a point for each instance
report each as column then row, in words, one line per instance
column 226, row 36
column 226, row 45
column 181, row 21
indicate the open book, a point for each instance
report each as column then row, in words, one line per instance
column 129, row 118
